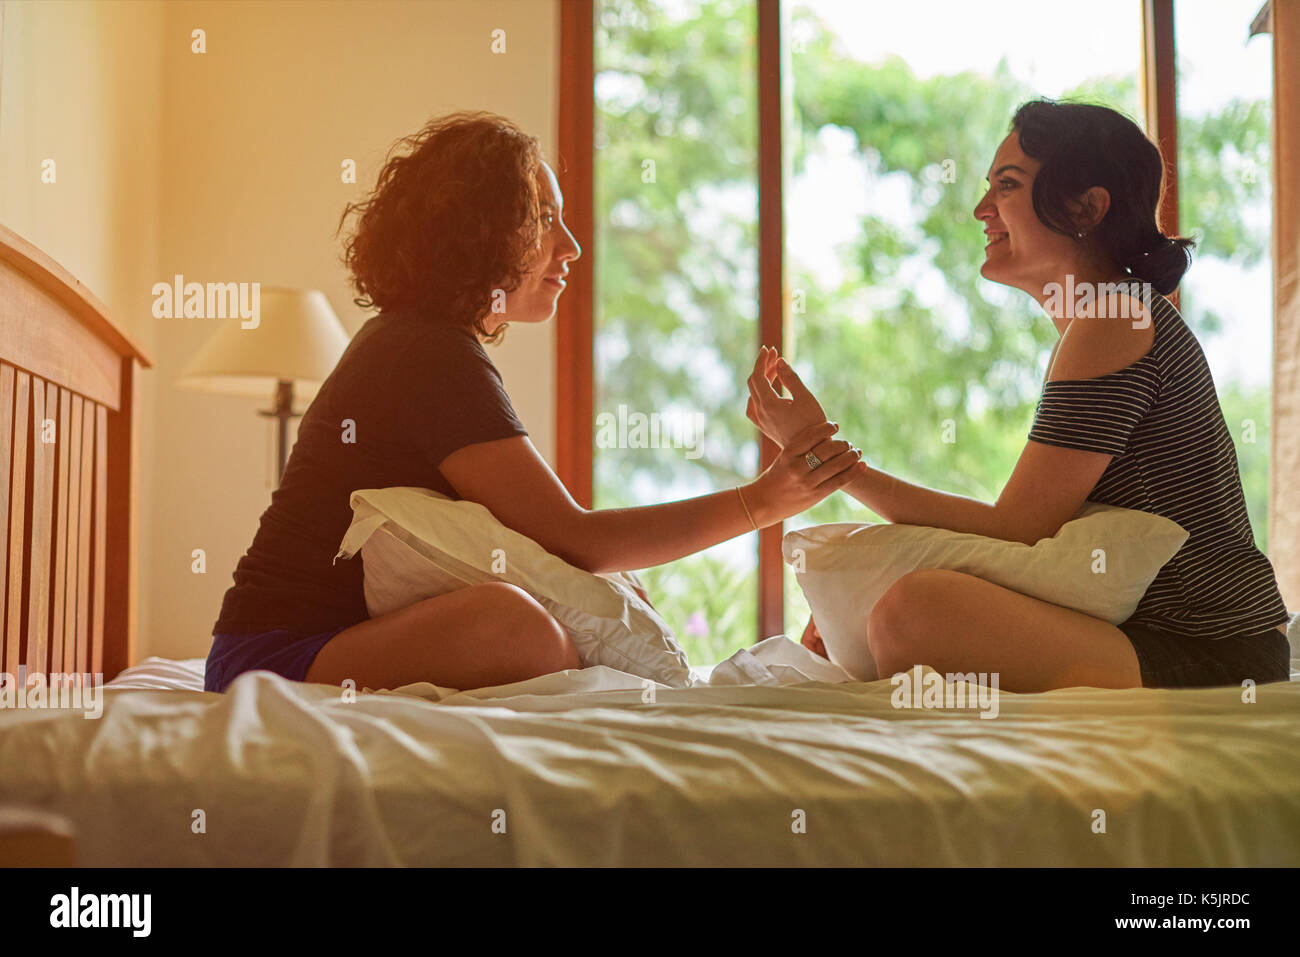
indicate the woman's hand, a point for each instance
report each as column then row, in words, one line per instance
column 790, row 485
column 778, row 418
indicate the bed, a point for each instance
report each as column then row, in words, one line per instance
column 764, row 761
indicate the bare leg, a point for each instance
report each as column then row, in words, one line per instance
column 955, row 622
column 473, row 638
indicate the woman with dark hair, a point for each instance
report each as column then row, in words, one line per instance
column 463, row 232
column 1128, row 417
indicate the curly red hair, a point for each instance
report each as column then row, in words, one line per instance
column 450, row 221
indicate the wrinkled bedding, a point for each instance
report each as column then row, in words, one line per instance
column 596, row 767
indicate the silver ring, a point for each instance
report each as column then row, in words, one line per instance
column 813, row 461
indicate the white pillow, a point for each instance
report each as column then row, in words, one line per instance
column 844, row 569
column 417, row 544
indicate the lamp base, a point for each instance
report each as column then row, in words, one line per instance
column 284, row 412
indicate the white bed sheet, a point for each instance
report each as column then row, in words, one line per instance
column 580, row 769
column 775, row 660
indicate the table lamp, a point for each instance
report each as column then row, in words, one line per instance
column 297, row 342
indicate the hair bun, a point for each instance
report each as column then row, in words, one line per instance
column 1162, row 263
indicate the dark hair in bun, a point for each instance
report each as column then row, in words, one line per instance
column 1081, row 145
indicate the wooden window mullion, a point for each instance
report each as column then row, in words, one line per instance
column 771, row 284
column 1159, row 85
column 575, row 314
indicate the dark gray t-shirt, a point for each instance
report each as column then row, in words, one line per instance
column 408, row 391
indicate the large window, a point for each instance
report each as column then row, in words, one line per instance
column 676, row 217
column 1225, row 90
column 932, row 370
column 889, row 117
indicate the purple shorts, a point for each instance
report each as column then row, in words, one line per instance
column 283, row 651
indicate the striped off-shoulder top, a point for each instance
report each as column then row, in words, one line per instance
column 1173, row 456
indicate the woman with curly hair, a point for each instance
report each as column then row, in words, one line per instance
column 463, row 232
column 1128, row 417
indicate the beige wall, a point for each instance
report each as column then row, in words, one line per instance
column 225, row 167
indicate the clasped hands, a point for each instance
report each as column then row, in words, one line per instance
column 781, row 419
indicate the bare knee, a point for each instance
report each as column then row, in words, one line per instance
column 892, row 625
column 541, row 644
column 884, row 639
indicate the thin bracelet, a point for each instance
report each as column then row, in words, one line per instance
column 746, row 508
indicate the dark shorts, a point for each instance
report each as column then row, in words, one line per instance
column 1171, row 661
column 285, row 652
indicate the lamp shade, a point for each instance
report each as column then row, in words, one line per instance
column 297, row 338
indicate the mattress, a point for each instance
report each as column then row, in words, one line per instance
column 596, row 767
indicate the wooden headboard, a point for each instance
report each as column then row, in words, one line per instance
column 66, row 561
